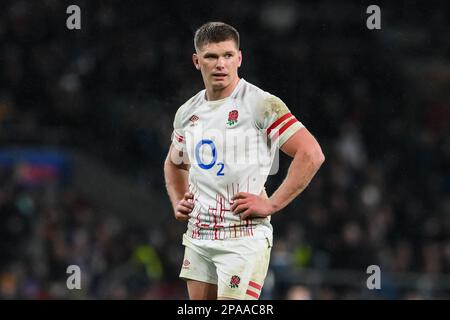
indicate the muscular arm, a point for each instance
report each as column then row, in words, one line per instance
column 307, row 159
column 176, row 171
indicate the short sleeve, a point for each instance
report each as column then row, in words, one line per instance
column 276, row 120
column 178, row 137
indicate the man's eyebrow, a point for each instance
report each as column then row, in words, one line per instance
column 210, row 54
column 215, row 55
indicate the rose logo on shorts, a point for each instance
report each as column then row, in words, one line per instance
column 186, row 264
column 233, row 117
column 234, row 282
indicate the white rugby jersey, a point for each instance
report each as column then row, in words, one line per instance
column 231, row 145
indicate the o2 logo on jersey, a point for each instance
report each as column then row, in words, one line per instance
column 208, row 166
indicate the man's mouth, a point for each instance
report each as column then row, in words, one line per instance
column 219, row 75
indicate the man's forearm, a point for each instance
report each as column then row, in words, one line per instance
column 301, row 171
column 177, row 182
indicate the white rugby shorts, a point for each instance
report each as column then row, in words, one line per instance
column 238, row 266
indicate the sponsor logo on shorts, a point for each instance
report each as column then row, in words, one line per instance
column 186, row 264
column 234, row 282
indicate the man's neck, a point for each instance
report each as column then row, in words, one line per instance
column 222, row 93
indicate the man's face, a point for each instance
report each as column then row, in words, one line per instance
column 218, row 63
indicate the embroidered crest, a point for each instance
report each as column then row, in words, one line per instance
column 186, row 264
column 234, row 282
column 233, row 117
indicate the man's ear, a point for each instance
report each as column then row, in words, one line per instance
column 240, row 58
column 195, row 61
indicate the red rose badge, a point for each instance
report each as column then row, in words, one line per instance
column 233, row 117
column 234, row 282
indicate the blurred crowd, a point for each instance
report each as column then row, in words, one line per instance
column 377, row 101
column 47, row 228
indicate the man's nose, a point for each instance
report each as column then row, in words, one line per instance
column 220, row 63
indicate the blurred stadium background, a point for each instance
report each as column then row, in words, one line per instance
column 85, row 124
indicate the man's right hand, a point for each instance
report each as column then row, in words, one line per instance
column 184, row 207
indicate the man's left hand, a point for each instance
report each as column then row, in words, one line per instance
column 251, row 205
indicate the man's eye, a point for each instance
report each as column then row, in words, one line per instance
column 228, row 55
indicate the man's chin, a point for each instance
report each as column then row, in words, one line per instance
column 217, row 85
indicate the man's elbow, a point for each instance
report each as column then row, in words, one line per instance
column 317, row 158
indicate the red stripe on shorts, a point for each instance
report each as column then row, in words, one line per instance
column 253, row 294
column 255, row 285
